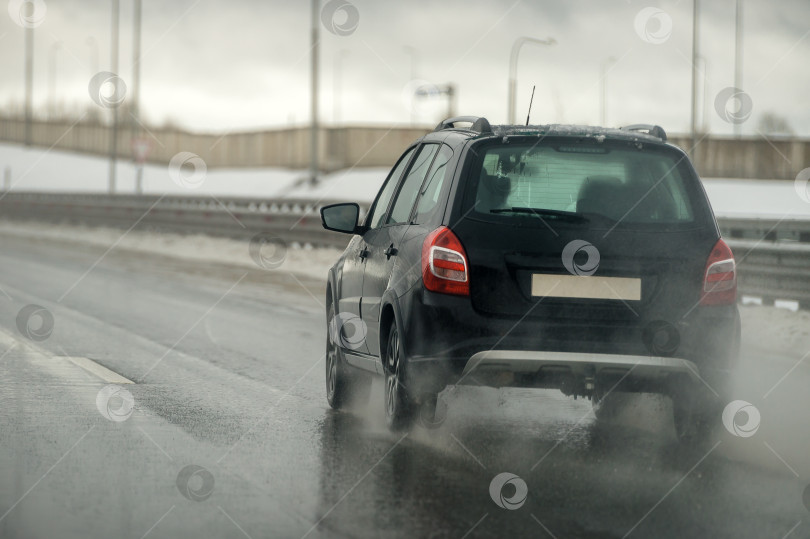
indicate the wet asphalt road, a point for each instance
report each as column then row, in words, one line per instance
column 228, row 371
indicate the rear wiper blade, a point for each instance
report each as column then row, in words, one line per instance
column 543, row 212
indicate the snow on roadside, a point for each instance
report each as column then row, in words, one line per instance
column 774, row 328
column 756, row 198
column 35, row 169
column 309, row 262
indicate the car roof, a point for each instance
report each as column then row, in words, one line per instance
column 574, row 131
column 635, row 133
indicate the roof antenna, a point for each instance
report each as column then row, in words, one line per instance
column 530, row 106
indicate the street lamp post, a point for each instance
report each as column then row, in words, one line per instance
column 52, row 78
column 114, row 68
column 313, row 128
column 513, row 59
column 695, row 53
column 29, row 82
column 136, row 88
column 738, row 56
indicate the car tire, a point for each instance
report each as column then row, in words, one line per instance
column 692, row 429
column 399, row 407
column 431, row 415
column 694, row 417
column 343, row 387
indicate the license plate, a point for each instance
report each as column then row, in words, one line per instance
column 590, row 287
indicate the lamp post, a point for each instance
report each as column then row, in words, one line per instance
column 313, row 127
column 114, row 68
column 136, row 88
column 52, row 78
column 695, row 53
column 513, row 59
column 29, row 81
column 738, row 56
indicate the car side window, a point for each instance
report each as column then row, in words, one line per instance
column 411, row 185
column 432, row 188
column 381, row 204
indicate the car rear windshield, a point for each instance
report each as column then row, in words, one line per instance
column 619, row 184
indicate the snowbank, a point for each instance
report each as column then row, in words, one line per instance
column 777, row 329
column 314, row 263
column 35, row 169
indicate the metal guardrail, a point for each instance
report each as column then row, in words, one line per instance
column 773, row 255
column 292, row 220
column 773, row 270
column 792, row 230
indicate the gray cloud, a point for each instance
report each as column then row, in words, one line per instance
column 217, row 65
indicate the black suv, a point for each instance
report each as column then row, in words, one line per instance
column 579, row 258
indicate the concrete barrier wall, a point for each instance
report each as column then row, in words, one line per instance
column 749, row 157
column 365, row 146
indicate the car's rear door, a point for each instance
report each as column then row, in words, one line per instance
column 383, row 242
column 354, row 265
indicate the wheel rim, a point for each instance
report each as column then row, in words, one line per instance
column 331, row 359
column 331, row 372
column 392, row 377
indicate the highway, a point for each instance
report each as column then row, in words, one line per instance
column 225, row 431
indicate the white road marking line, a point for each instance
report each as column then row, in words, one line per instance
column 99, row 371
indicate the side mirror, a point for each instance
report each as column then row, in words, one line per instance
column 341, row 217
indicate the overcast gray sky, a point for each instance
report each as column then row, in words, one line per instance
column 216, row 65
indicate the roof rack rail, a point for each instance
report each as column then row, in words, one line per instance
column 479, row 124
column 652, row 130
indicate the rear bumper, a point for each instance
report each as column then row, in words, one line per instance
column 448, row 341
column 573, row 373
column 584, row 365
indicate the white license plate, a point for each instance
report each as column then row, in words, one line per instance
column 591, row 287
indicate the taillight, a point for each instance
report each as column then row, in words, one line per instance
column 720, row 277
column 444, row 263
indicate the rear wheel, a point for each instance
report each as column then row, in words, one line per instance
column 399, row 409
column 697, row 406
column 694, row 416
column 335, row 376
column 692, row 428
column 431, row 415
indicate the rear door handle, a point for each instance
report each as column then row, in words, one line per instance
column 363, row 254
column 391, row 251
